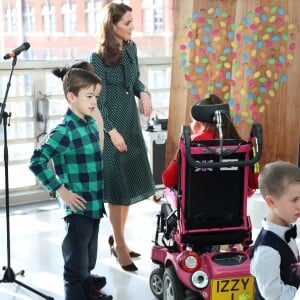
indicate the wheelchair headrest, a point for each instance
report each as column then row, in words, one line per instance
column 206, row 113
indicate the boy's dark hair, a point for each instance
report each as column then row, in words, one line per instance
column 60, row 72
column 275, row 176
column 77, row 79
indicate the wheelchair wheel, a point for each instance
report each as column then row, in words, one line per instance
column 156, row 282
column 173, row 288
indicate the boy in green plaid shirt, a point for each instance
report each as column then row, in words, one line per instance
column 74, row 148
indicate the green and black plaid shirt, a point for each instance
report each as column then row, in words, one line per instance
column 74, row 148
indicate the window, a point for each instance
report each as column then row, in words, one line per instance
column 33, row 80
column 29, row 19
column 20, row 131
column 48, row 13
column 158, row 78
column 153, row 16
column 158, row 20
column 11, row 20
column 92, row 12
column 69, row 18
column 25, row 131
column 62, row 29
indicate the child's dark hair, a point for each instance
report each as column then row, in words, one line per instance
column 82, row 64
column 275, row 177
column 76, row 79
column 229, row 130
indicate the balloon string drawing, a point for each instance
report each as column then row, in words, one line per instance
column 245, row 63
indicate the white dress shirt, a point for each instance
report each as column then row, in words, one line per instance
column 265, row 267
column 297, row 296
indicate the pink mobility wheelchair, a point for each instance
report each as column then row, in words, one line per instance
column 203, row 233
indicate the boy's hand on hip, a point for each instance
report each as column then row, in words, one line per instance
column 74, row 201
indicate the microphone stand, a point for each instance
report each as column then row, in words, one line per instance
column 9, row 274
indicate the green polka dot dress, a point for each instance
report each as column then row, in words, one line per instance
column 127, row 175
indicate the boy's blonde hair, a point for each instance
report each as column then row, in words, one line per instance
column 275, row 177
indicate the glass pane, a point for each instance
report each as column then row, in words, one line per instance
column 18, row 176
column 158, row 78
column 52, row 124
column 18, row 130
column 58, row 106
column 18, row 151
column 160, row 103
column 21, row 84
column 19, row 109
column 53, row 84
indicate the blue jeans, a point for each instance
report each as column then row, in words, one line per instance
column 79, row 249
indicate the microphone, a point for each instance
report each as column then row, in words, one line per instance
column 25, row 46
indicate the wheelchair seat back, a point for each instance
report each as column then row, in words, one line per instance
column 214, row 199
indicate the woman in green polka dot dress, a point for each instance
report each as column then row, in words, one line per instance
column 127, row 174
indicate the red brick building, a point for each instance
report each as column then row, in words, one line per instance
column 58, row 29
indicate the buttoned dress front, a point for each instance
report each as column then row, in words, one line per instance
column 127, row 175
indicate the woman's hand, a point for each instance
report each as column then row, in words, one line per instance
column 117, row 140
column 74, row 201
column 145, row 104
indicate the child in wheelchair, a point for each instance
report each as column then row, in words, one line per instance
column 207, row 131
column 210, row 209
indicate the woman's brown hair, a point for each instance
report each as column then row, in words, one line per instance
column 108, row 48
